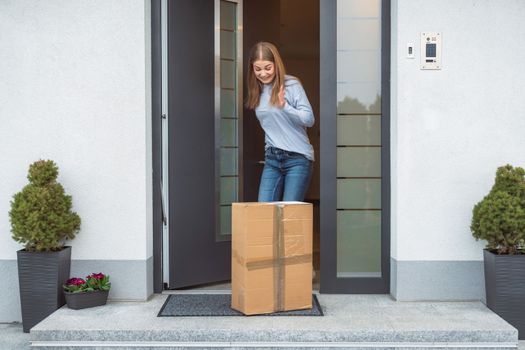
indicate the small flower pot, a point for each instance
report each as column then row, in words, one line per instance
column 84, row 300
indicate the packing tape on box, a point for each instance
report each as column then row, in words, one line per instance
column 278, row 262
column 278, row 253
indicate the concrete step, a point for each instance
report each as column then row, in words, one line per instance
column 350, row 322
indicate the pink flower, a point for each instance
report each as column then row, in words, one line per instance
column 75, row 281
column 97, row 276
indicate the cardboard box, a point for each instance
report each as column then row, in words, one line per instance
column 271, row 257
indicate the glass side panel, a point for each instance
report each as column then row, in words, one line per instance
column 228, row 119
column 359, row 8
column 228, row 132
column 359, row 169
column 228, row 161
column 359, row 130
column 358, row 193
column 358, row 34
column 228, row 45
column 365, row 66
column 228, row 75
column 228, row 190
column 228, row 15
column 359, row 243
column 225, row 220
column 359, row 98
column 228, row 103
column 359, row 162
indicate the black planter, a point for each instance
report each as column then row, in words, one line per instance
column 505, row 287
column 84, row 300
column 41, row 276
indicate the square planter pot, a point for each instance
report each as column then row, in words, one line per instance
column 84, row 300
column 41, row 275
column 505, row 287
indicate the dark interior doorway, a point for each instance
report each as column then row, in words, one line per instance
column 296, row 34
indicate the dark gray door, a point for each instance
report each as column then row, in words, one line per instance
column 196, row 256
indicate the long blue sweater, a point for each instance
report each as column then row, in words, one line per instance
column 285, row 128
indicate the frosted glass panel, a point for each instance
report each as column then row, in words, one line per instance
column 228, row 190
column 358, row 130
column 227, row 127
column 354, row 66
column 227, row 15
column 359, row 168
column 359, row 162
column 359, row 97
column 228, row 45
column 358, row 8
column 359, row 243
column 228, row 108
column 358, row 193
column 228, row 161
column 229, row 132
column 228, row 74
column 358, row 34
column 226, row 220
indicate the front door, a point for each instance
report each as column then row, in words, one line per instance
column 203, row 141
column 210, row 166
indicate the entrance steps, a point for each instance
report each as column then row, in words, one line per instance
column 350, row 322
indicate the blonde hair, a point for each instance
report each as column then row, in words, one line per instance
column 264, row 51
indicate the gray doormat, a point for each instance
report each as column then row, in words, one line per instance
column 219, row 305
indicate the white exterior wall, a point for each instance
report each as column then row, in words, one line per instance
column 75, row 88
column 451, row 129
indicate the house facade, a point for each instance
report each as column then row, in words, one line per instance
column 140, row 103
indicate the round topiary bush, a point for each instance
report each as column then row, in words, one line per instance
column 499, row 218
column 40, row 215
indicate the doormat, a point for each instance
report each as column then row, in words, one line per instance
column 219, row 305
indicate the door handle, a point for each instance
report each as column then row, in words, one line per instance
column 164, row 216
column 261, row 162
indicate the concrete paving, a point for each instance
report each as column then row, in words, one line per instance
column 13, row 337
column 376, row 321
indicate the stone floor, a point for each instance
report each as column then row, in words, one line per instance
column 350, row 321
column 12, row 337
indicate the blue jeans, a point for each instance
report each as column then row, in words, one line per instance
column 287, row 172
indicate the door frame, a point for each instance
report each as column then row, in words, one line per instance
column 158, row 217
column 328, row 105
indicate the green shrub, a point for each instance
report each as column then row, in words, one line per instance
column 40, row 215
column 499, row 218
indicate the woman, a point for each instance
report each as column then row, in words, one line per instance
column 284, row 113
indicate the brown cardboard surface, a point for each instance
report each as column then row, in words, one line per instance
column 271, row 256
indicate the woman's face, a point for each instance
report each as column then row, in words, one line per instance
column 264, row 71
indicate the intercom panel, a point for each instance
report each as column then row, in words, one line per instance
column 430, row 50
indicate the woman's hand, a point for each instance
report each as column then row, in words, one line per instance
column 282, row 101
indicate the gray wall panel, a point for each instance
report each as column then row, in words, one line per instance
column 438, row 280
